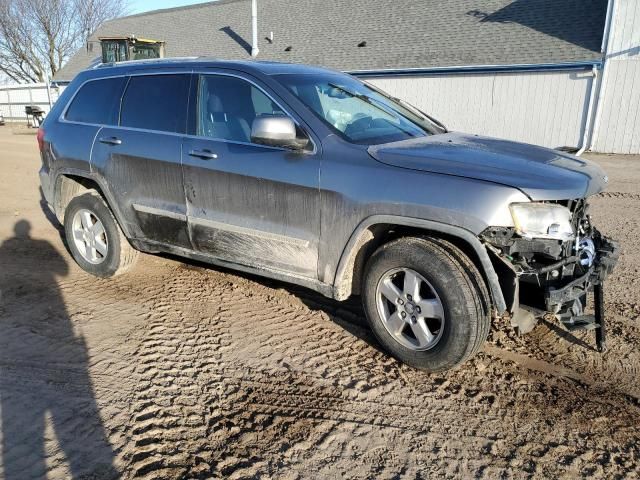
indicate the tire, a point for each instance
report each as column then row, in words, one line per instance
column 451, row 290
column 111, row 253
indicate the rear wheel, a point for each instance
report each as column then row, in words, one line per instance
column 95, row 239
column 426, row 302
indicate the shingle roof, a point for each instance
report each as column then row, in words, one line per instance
column 399, row 34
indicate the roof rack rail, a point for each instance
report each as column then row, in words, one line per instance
column 144, row 61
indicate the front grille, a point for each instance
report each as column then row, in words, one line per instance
column 580, row 218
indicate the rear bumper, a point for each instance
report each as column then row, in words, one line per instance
column 45, row 184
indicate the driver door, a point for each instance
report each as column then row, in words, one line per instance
column 247, row 203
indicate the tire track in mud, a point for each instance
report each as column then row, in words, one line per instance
column 621, row 195
column 182, row 357
column 551, row 349
column 226, row 376
column 233, row 398
column 167, row 426
column 226, row 364
column 231, row 376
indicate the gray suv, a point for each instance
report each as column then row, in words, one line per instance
column 313, row 177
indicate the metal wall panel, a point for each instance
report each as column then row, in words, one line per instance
column 617, row 127
column 544, row 108
column 14, row 98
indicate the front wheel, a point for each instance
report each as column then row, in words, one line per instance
column 94, row 237
column 426, row 303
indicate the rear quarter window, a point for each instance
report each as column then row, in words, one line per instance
column 97, row 101
column 156, row 102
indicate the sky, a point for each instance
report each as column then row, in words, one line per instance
column 139, row 6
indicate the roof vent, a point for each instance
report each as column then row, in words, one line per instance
column 362, row 44
column 288, row 49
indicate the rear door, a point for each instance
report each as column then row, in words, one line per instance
column 94, row 104
column 247, row 203
column 140, row 158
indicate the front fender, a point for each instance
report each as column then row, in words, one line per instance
column 348, row 257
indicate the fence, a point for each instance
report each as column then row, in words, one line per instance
column 14, row 99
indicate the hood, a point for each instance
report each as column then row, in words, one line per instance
column 541, row 173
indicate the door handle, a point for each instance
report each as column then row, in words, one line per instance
column 111, row 140
column 204, row 154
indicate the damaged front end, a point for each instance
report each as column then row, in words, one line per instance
column 549, row 262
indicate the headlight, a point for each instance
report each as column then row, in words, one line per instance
column 542, row 220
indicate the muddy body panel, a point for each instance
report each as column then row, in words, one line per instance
column 145, row 175
column 254, row 204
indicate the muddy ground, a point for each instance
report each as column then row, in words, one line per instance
column 182, row 371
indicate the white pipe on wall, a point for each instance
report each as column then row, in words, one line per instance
column 607, row 26
column 254, row 28
column 48, row 90
column 587, row 122
column 605, row 48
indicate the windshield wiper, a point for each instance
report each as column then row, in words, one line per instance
column 409, row 107
column 418, row 112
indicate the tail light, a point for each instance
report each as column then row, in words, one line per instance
column 40, row 138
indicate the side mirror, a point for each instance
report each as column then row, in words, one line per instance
column 277, row 131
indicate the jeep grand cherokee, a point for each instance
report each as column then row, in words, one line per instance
column 311, row 176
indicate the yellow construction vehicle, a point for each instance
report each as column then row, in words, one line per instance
column 119, row 49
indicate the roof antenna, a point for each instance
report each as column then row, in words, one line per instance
column 254, row 28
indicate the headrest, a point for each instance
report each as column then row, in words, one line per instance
column 214, row 104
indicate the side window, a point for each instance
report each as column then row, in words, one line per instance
column 156, row 102
column 97, row 101
column 227, row 107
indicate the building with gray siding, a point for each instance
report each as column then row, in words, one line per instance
column 539, row 71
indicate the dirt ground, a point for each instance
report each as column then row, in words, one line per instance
column 182, row 371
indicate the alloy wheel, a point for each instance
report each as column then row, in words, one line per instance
column 90, row 237
column 410, row 309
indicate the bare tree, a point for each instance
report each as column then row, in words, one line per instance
column 38, row 36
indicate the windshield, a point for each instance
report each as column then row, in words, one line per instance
column 143, row 51
column 357, row 111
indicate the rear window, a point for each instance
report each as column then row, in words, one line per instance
column 97, row 101
column 156, row 102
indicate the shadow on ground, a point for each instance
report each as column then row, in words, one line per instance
column 44, row 380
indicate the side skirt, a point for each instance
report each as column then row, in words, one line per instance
column 157, row 247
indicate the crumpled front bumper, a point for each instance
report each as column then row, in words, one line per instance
column 564, row 297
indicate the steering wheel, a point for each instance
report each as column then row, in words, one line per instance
column 359, row 124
